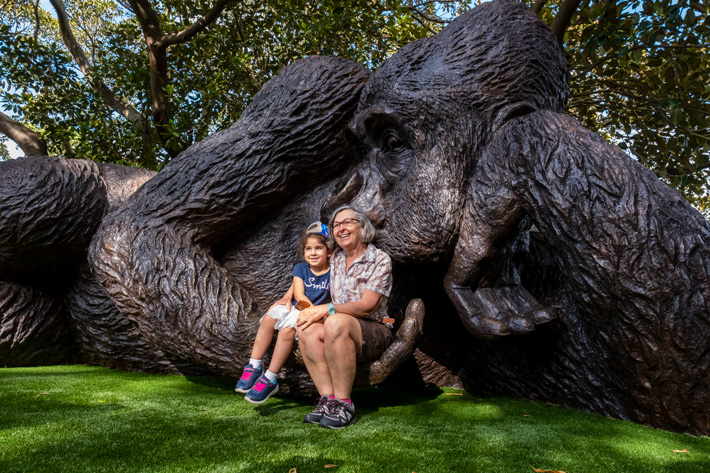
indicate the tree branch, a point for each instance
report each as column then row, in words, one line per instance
column 681, row 170
column 36, row 9
column 539, row 4
column 29, row 141
column 126, row 110
column 69, row 39
column 609, row 56
column 423, row 24
column 149, row 21
column 425, row 16
column 197, row 26
column 562, row 19
column 125, row 4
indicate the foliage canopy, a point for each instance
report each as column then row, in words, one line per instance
column 639, row 77
column 156, row 78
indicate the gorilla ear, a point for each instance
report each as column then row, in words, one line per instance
column 511, row 111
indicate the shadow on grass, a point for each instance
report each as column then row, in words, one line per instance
column 42, row 411
column 368, row 400
column 276, row 405
column 375, row 397
column 212, row 382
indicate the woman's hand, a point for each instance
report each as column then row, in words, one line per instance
column 311, row 315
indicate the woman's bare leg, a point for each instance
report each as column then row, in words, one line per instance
column 312, row 347
column 343, row 342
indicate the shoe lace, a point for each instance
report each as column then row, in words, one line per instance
column 260, row 386
column 337, row 409
column 321, row 407
column 247, row 374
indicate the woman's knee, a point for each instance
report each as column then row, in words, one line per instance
column 310, row 336
column 303, row 337
column 340, row 325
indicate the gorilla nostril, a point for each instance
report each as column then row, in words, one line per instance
column 345, row 195
column 376, row 217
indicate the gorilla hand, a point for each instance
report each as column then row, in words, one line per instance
column 492, row 213
column 491, row 312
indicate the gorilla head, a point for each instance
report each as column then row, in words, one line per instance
column 427, row 113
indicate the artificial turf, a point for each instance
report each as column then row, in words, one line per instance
column 88, row 419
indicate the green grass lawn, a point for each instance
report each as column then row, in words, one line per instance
column 80, row 418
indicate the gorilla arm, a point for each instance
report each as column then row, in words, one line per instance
column 405, row 340
column 158, row 254
column 493, row 212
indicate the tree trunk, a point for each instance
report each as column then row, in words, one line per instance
column 157, row 55
column 157, row 43
column 29, row 141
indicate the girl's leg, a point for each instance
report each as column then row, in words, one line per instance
column 284, row 345
column 261, row 344
column 263, row 337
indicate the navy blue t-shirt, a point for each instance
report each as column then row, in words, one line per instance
column 317, row 288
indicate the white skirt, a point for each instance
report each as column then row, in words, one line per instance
column 283, row 317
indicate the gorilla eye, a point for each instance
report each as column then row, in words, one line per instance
column 391, row 142
column 363, row 149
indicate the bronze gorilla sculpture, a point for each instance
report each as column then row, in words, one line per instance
column 581, row 276
column 624, row 258
column 144, row 241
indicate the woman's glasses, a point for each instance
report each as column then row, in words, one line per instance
column 348, row 222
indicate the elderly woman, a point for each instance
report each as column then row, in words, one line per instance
column 334, row 337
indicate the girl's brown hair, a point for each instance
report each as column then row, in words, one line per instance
column 314, row 231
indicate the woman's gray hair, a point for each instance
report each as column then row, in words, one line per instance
column 368, row 229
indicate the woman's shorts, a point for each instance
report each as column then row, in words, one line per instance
column 376, row 338
column 284, row 318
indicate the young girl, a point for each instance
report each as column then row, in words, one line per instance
column 311, row 286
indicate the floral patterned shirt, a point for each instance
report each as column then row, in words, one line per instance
column 372, row 270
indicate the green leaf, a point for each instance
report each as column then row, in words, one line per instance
column 676, row 116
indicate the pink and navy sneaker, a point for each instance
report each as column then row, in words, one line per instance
column 249, row 377
column 262, row 390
